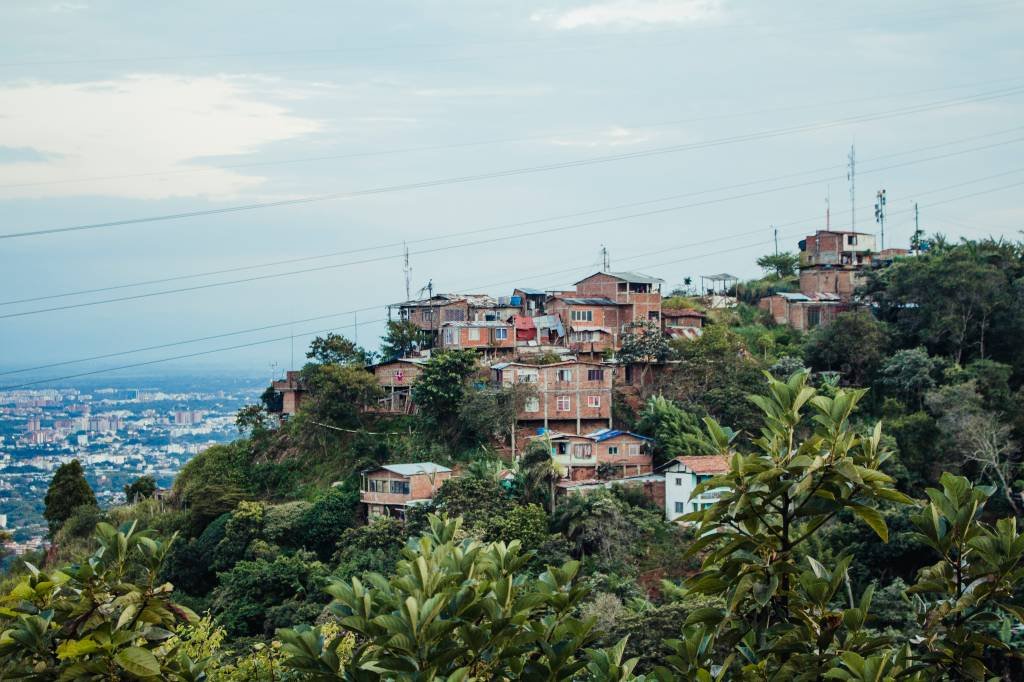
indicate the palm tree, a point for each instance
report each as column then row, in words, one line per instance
column 541, row 471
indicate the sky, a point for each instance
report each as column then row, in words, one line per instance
column 505, row 143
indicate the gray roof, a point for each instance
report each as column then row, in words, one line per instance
column 530, row 292
column 573, row 300
column 721, row 275
column 634, row 277
column 415, row 468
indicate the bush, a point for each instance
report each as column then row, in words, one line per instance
column 375, row 547
column 321, row 525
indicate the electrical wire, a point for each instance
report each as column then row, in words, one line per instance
column 520, row 223
column 980, row 97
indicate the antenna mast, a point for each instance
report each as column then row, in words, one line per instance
column 605, row 261
column 775, row 231
column 880, row 213
column 851, row 175
column 408, row 273
column 915, row 242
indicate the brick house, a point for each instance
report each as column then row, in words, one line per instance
column 594, row 323
column 431, row 313
column 390, row 489
column 681, row 318
column 803, row 311
column 396, row 378
column 492, row 336
column 623, row 452
column 651, row 486
column 291, row 392
column 639, row 295
column 572, row 396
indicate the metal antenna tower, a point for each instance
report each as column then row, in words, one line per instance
column 408, row 273
column 605, row 260
column 851, row 175
column 880, row 213
column 915, row 241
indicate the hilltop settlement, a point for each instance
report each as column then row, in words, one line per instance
column 811, row 475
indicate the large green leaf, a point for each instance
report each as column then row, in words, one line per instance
column 138, row 661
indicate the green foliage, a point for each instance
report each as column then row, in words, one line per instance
column 963, row 301
column 213, row 483
column 339, row 393
column 140, row 489
column 321, row 526
column 253, row 420
column 907, row 375
column 855, row 344
column 463, row 610
column 401, row 339
column 780, row 609
column 643, row 342
column 335, row 349
column 373, row 548
column 780, row 264
column 256, row 597
column 975, row 582
column 441, row 388
column 527, row 524
column 476, row 500
column 490, row 413
column 106, row 618
column 68, row 490
column 675, row 430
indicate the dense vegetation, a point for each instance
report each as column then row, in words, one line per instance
column 868, row 530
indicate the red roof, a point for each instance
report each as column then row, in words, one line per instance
column 705, row 464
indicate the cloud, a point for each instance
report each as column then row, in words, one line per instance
column 137, row 125
column 616, row 136
column 630, row 14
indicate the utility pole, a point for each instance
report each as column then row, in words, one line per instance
column 828, row 208
column 605, row 261
column 915, row 241
column 880, row 213
column 775, row 231
column 355, row 328
column 408, row 273
column 851, row 175
column 273, row 371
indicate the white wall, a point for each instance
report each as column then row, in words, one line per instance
column 679, row 485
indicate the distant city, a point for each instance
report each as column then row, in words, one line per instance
column 117, row 432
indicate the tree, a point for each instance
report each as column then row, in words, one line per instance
column 141, row 488
column 339, row 394
column 106, row 618
column 440, row 389
column 491, row 413
column 335, row 349
column 907, row 375
column 462, row 611
column 252, row 420
column 781, row 609
column 401, row 340
column 675, row 430
column 780, row 265
column 854, row 344
column 643, row 343
column 68, row 490
column 541, row 472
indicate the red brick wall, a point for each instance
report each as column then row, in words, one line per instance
column 607, row 286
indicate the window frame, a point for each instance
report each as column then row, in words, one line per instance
column 563, row 400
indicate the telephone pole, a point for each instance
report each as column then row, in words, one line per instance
column 851, row 175
column 605, row 261
column 915, row 241
column 880, row 213
column 775, row 231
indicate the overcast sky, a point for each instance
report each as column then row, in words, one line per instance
column 737, row 115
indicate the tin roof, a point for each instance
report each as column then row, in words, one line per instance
column 415, row 468
column 604, row 434
column 530, row 292
column 477, row 323
column 595, row 300
column 626, row 276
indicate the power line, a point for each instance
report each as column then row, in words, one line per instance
column 493, row 141
column 490, row 240
column 485, row 286
column 532, row 221
column 981, row 97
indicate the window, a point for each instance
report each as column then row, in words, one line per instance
column 613, row 449
column 474, row 333
column 653, row 315
column 449, row 336
column 563, row 403
column 582, row 315
column 560, row 448
column 501, row 333
column 376, row 485
column 593, row 401
column 455, row 315
column 595, row 375
column 532, row 405
column 400, row 487
column 582, row 450
column 696, row 507
column 680, row 508
column 851, row 239
column 813, row 317
column 633, row 449
column 679, row 480
column 527, row 376
column 564, row 375
column 427, row 315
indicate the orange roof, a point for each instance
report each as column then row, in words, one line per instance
column 705, row 464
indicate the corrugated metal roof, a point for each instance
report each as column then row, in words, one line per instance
column 793, row 296
column 605, row 434
column 530, row 292
column 589, row 328
column 415, row 468
column 636, row 277
column 478, row 323
column 573, row 300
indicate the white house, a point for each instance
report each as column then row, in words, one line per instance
column 682, row 475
